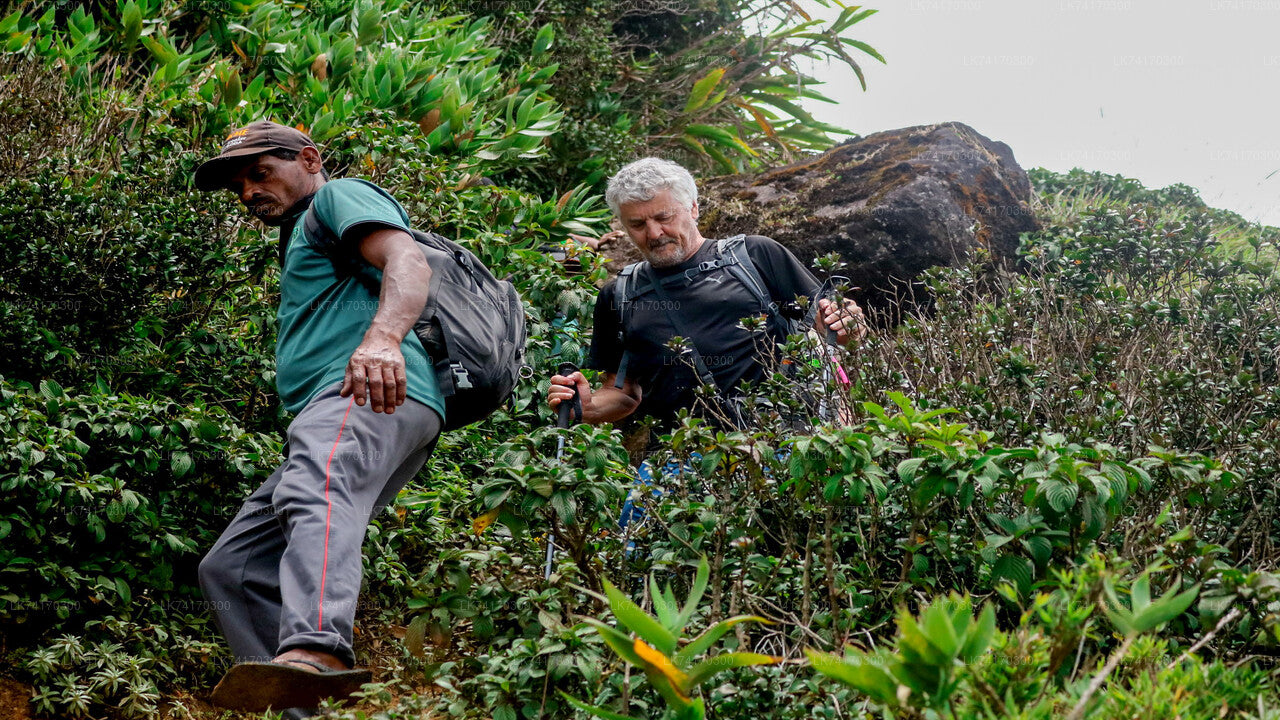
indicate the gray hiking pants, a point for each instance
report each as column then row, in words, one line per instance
column 286, row 572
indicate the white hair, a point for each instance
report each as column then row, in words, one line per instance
column 641, row 180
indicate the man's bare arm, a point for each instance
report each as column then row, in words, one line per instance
column 377, row 364
column 608, row 404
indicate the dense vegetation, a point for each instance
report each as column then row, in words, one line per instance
column 1055, row 493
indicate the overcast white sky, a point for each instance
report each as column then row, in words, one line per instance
column 1178, row 91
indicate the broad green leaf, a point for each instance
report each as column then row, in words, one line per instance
column 695, row 594
column 938, row 630
column 994, row 541
column 1060, row 494
column 1168, row 607
column 1013, row 569
column 702, row 89
column 666, row 612
column 1121, row 619
column 368, row 27
column 542, row 43
column 10, row 22
column 1210, row 605
column 914, row 644
column 703, row 642
column 1041, row 549
column 979, row 635
column 415, row 635
column 858, row 672
column 1140, row 593
column 923, row 678
column 131, row 24
column 161, row 53
column 617, row 641
column 51, row 390
column 908, row 468
column 565, row 506
column 706, row 669
column 639, row 621
column 593, row 710
column 181, row 464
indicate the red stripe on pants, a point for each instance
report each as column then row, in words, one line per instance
column 329, row 515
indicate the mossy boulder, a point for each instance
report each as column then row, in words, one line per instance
column 892, row 204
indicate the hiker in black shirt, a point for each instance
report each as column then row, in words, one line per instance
column 686, row 287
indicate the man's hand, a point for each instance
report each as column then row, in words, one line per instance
column 562, row 389
column 848, row 322
column 377, row 367
column 593, row 243
column 608, row 404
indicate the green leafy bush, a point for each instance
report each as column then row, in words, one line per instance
column 1059, row 441
column 109, row 502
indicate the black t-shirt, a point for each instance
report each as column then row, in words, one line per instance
column 710, row 307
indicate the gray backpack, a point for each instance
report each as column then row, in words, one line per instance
column 473, row 325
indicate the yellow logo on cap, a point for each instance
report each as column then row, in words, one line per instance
column 234, row 138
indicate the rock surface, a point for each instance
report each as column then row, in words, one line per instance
column 892, row 204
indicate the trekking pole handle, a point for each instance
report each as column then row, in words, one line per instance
column 568, row 408
column 827, row 290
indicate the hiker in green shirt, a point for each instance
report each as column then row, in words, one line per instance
column 284, row 578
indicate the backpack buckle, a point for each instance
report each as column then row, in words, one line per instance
column 461, row 378
column 703, row 267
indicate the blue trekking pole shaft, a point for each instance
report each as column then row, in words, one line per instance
column 564, row 415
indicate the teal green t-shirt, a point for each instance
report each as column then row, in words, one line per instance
column 322, row 316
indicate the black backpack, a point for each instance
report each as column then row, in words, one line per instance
column 473, row 325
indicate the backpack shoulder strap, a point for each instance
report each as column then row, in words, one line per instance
column 622, row 294
column 328, row 242
column 699, row 365
column 735, row 258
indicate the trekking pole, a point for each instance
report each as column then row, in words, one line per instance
column 564, row 417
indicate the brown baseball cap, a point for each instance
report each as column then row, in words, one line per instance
column 252, row 139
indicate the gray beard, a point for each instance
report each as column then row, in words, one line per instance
column 674, row 260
